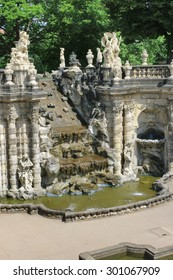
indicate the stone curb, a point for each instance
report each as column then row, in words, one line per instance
column 150, row 252
column 67, row 216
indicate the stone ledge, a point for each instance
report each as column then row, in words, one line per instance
column 66, row 216
column 148, row 251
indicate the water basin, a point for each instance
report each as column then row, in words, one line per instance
column 104, row 198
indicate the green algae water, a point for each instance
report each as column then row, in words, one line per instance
column 104, row 198
column 133, row 256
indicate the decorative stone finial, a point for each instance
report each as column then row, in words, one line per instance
column 144, row 57
column 127, row 67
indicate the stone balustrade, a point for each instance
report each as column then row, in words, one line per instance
column 150, row 72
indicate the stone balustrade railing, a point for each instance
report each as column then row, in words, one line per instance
column 150, row 72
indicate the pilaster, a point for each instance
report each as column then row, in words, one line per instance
column 128, row 139
column 170, row 137
column 117, row 112
column 35, row 148
column 12, row 147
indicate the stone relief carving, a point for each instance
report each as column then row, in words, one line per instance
column 98, row 125
column 25, row 174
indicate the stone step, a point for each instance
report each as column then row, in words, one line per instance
column 70, row 134
column 83, row 165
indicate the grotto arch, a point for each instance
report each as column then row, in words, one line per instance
column 151, row 141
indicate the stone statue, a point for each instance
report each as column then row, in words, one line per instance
column 19, row 55
column 24, row 72
column 111, row 52
column 25, row 174
column 98, row 125
column 62, row 58
column 128, row 159
column 99, row 56
column 108, row 55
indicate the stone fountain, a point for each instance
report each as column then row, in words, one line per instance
column 128, row 109
column 108, row 124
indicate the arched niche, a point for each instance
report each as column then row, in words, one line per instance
column 150, row 140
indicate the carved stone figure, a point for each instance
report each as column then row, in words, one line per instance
column 111, row 51
column 89, row 58
column 98, row 125
column 19, row 55
column 99, row 56
column 23, row 71
column 25, row 174
column 62, row 58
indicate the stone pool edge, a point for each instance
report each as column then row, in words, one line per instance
column 126, row 247
column 69, row 216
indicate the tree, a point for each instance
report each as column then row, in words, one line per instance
column 15, row 16
column 155, row 48
column 143, row 19
column 73, row 24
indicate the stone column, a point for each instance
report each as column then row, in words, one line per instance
column 3, row 157
column 118, row 136
column 12, row 148
column 35, row 148
column 170, row 137
column 128, row 139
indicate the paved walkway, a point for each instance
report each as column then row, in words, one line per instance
column 34, row 237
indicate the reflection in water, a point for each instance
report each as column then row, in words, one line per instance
column 104, row 198
column 138, row 193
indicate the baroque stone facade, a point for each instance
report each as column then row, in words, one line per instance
column 20, row 174
column 136, row 102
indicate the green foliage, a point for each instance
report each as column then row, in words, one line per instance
column 16, row 15
column 78, row 25
column 156, row 49
column 143, row 19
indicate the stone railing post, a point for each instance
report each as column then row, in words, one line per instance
column 127, row 68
